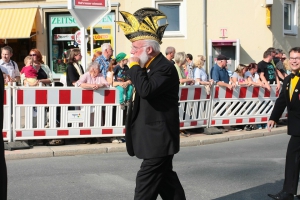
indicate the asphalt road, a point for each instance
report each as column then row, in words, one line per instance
column 238, row 170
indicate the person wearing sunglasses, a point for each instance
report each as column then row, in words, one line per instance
column 44, row 74
column 279, row 63
column 283, row 57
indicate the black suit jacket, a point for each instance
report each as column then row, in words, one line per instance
column 293, row 106
column 3, row 172
column 152, row 127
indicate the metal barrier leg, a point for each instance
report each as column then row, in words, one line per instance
column 209, row 130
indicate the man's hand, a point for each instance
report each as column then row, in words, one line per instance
column 7, row 78
column 192, row 82
column 270, row 125
column 134, row 59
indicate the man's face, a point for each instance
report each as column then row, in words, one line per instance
column 138, row 49
column 273, row 54
column 224, row 63
column 295, row 61
column 109, row 52
column 279, row 55
column 5, row 55
column 172, row 55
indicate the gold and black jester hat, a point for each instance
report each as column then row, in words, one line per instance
column 143, row 25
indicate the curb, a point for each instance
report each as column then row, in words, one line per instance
column 82, row 149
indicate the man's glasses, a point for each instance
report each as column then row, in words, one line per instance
column 32, row 54
column 136, row 48
column 295, row 58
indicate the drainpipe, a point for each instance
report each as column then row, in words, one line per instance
column 204, row 33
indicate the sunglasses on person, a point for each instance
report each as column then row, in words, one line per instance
column 32, row 54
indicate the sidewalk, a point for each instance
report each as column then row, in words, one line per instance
column 80, row 149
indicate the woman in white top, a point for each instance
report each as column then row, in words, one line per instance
column 200, row 75
column 238, row 77
column 252, row 75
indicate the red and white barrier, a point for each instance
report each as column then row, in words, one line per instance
column 193, row 107
column 64, row 96
column 98, row 113
column 242, row 105
column 94, row 113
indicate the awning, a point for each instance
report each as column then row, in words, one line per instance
column 16, row 23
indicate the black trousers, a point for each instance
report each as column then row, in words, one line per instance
column 292, row 166
column 156, row 176
column 3, row 172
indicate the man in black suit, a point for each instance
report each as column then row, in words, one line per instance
column 290, row 97
column 152, row 127
column 3, row 172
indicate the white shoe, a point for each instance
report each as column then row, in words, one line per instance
column 114, row 140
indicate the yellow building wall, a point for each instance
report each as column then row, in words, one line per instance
column 244, row 20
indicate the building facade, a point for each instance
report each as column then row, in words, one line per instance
column 240, row 29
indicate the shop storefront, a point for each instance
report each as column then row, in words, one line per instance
column 64, row 36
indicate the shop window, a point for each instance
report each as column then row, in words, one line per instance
column 62, row 42
column 176, row 17
column 290, row 17
column 62, row 38
column 101, row 35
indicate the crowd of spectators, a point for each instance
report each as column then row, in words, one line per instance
column 105, row 71
column 272, row 69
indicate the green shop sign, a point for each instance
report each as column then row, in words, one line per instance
column 63, row 20
column 69, row 20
